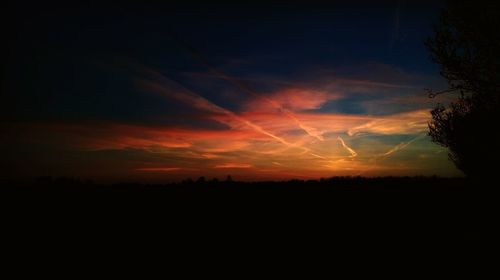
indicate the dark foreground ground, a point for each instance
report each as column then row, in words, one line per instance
column 283, row 217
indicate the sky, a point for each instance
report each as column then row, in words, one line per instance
column 258, row 91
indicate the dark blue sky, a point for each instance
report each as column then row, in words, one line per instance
column 72, row 51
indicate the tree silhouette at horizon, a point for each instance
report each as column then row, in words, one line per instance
column 466, row 45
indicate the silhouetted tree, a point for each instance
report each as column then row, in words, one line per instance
column 201, row 180
column 466, row 44
column 214, row 181
column 187, row 181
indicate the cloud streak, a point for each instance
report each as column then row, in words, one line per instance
column 401, row 146
column 349, row 149
column 182, row 94
column 404, row 123
column 248, row 90
column 276, row 134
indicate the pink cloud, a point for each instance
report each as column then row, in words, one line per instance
column 294, row 99
column 175, row 90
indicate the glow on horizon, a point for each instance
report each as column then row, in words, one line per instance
column 277, row 137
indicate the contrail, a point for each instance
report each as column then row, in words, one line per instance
column 353, row 153
column 190, row 97
column 245, row 88
column 187, row 96
column 400, row 146
column 318, row 156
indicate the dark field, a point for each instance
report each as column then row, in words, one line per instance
column 314, row 214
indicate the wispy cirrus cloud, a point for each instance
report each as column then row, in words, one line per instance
column 274, row 134
column 404, row 123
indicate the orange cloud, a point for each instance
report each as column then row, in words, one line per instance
column 247, row 153
column 175, row 90
column 158, row 169
column 275, row 136
column 233, row 165
column 403, row 123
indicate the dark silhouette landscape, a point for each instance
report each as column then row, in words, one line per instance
column 411, row 210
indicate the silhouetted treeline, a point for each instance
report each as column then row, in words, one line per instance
column 71, row 184
column 324, row 188
column 321, row 213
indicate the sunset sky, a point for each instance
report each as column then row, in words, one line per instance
column 258, row 91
